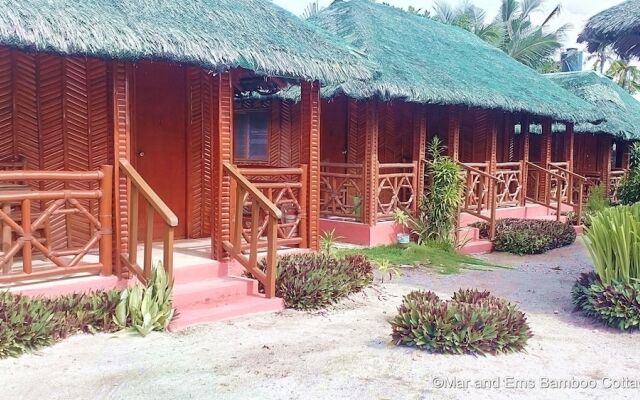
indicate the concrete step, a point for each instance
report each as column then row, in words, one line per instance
column 468, row 233
column 481, row 246
column 212, row 291
column 208, row 270
column 233, row 308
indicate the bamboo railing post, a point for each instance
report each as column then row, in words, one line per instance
column 133, row 226
column 167, row 259
column 106, row 220
column 579, row 212
column 414, row 187
column 303, row 229
column 148, row 240
column 239, row 212
column 272, row 249
column 27, row 265
column 255, row 224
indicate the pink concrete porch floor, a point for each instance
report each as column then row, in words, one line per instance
column 204, row 290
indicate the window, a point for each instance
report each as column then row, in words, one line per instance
column 251, row 136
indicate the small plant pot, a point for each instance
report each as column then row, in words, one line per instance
column 403, row 239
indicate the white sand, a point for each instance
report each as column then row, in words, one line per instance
column 345, row 353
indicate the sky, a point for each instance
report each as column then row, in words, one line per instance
column 574, row 12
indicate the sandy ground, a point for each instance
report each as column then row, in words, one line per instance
column 345, row 353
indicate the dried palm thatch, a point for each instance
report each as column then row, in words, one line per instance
column 424, row 61
column 620, row 109
column 215, row 34
column 618, row 26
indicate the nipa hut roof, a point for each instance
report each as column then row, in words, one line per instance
column 621, row 110
column 424, row 61
column 215, row 34
column 618, row 26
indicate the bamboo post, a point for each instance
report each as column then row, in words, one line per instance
column 255, row 224
column 106, row 220
column 133, row 226
column 272, row 249
column 524, row 131
column 236, row 234
column 27, row 266
column 545, row 159
column 148, row 241
column 302, row 231
column 167, row 258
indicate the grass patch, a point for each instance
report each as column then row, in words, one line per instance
column 437, row 258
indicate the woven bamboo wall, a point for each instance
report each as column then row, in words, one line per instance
column 54, row 111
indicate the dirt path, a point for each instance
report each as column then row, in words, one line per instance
column 345, row 353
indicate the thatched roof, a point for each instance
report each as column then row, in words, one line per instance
column 215, row 34
column 618, row 26
column 621, row 110
column 421, row 60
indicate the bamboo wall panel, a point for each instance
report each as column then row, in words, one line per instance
column 335, row 139
column 54, row 112
column 199, row 148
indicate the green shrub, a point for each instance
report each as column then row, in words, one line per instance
column 613, row 241
column 597, row 200
column 146, row 308
column 313, row 281
column 443, row 198
column 471, row 322
column 528, row 236
column 28, row 323
column 629, row 189
column 616, row 305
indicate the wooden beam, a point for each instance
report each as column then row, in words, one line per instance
column 453, row 133
column 625, row 149
column 545, row 158
column 310, row 155
column 525, row 136
column 370, row 162
column 419, row 146
column 122, row 85
column 569, row 145
column 222, row 150
column 604, row 147
column 492, row 142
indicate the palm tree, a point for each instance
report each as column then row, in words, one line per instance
column 627, row 76
column 530, row 44
column 601, row 58
column 312, row 9
column 469, row 17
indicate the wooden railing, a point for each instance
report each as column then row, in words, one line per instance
column 341, row 190
column 574, row 193
column 397, row 185
column 615, row 179
column 18, row 219
column 153, row 205
column 480, row 195
column 241, row 187
column 538, row 178
column 286, row 189
column 509, row 192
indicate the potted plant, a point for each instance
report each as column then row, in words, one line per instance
column 402, row 218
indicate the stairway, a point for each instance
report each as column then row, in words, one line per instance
column 206, row 293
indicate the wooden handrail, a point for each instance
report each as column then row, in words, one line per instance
column 547, row 199
column 573, row 174
column 145, row 190
column 477, row 171
column 339, row 165
column 250, row 188
column 25, row 175
column 243, row 189
column 546, row 171
column 154, row 204
column 395, row 165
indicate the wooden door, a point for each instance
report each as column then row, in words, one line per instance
column 159, row 148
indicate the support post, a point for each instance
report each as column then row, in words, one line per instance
column 106, row 230
column 569, row 145
column 122, row 76
column 605, row 144
column 545, row 160
column 524, row 148
column 310, row 155
column 222, row 149
column 453, row 133
column 626, row 164
column 492, row 158
column 419, row 145
column 370, row 163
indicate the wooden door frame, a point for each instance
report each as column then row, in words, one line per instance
column 134, row 139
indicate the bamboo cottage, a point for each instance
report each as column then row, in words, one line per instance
column 437, row 80
column 602, row 150
column 125, row 122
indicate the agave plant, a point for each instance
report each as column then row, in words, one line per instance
column 147, row 308
column 613, row 241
